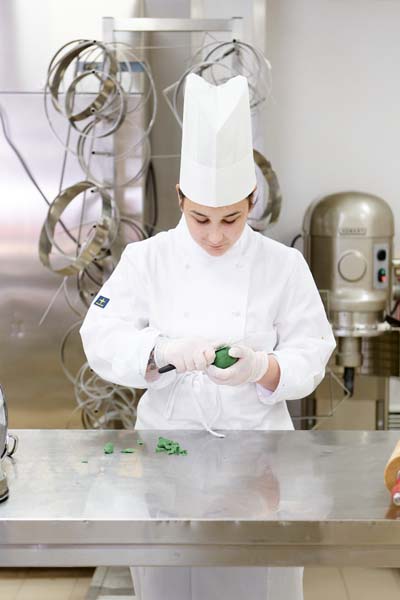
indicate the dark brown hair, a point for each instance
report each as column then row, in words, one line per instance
column 249, row 197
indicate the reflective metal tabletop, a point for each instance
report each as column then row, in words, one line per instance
column 252, row 498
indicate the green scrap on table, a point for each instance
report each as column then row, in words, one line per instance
column 223, row 360
column 128, row 451
column 109, row 448
column 84, row 461
column 140, row 443
column 169, row 446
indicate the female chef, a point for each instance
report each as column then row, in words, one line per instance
column 175, row 297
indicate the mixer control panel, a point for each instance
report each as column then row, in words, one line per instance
column 381, row 266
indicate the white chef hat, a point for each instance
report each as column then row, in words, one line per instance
column 217, row 166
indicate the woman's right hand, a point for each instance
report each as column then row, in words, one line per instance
column 186, row 354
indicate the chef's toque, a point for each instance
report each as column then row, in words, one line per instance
column 217, row 166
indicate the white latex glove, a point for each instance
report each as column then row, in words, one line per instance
column 186, row 354
column 250, row 367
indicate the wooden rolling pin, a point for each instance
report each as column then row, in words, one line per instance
column 392, row 475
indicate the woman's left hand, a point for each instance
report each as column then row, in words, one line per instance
column 251, row 367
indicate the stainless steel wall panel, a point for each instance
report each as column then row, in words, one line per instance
column 30, row 370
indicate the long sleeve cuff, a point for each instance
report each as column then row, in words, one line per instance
column 122, row 365
column 269, row 397
column 291, row 386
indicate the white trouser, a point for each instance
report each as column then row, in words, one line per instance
column 218, row 583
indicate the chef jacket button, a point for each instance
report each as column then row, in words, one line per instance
column 187, row 266
column 186, row 315
column 236, row 313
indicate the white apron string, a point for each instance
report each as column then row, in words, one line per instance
column 195, row 377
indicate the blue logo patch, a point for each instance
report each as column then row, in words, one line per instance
column 102, row 301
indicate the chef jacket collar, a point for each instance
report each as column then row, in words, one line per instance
column 237, row 250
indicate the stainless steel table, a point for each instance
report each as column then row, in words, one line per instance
column 253, row 498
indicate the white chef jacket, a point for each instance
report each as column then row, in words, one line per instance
column 260, row 293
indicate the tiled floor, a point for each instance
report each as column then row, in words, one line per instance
column 319, row 583
column 351, row 584
column 44, row 584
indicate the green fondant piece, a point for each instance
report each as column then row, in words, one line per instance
column 169, row 446
column 109, row 448
column 128, row 451
column 222, row 358
column 140, row 443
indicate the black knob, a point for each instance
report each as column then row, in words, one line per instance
column 381, row 255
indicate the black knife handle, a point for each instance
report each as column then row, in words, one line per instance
column 166, row 369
